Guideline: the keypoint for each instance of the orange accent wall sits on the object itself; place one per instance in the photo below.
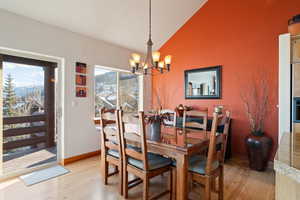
(242, 36)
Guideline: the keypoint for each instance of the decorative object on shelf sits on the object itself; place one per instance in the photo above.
(294, 25)
(152, 61)
(180, 108)
(81, 79)
(218, 109)
(256, 100)
(203, 83)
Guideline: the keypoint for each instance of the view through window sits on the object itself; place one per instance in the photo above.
(115, 88)
(23, 95)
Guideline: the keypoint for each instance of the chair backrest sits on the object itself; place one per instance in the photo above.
(171, 114)
(127, 122)
(110, 138)
(226, 124)
(197, 114)
(213, 154)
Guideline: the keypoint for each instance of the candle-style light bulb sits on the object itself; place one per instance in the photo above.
(168, 61)
(156, 56)
(136, 57)
(132, 65)
(161, 65)
(145, 69)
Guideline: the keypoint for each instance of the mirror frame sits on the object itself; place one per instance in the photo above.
(218, 70)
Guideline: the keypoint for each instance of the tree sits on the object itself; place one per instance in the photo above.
(9, 101)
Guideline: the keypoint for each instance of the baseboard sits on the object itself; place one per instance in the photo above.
(81, 157)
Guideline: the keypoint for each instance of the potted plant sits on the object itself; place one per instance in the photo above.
(256, 100)
(155, 119)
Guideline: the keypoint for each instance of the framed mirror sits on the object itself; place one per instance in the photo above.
(203, 83)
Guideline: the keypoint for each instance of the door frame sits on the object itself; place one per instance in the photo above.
(59, 106)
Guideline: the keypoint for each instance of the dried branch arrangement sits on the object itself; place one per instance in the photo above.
(255, 99)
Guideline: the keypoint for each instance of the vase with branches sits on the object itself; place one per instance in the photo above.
(256, 100)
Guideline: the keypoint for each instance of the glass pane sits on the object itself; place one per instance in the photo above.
(105, 89)
(23, 89)
(129, 92)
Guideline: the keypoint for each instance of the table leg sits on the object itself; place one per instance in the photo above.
(181, 177)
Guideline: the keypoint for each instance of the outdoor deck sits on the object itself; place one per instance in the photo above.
(28, 159)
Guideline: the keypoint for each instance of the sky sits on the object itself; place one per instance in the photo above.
(24, 75)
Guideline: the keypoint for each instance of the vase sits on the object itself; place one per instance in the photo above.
(155, 131)
(294, 25)
(258, 148)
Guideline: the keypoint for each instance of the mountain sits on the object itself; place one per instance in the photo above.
(107, 78)
(22, 91)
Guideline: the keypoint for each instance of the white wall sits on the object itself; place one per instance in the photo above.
(22, 33)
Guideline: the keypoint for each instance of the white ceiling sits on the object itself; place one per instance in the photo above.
(122, 22)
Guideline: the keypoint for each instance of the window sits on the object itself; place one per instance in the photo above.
(114, 88)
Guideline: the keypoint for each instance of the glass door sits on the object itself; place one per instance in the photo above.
(28, 132)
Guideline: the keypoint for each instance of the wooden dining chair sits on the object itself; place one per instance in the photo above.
(205, 169)
(171, 114)
(139, 162)
(110, 146)
(226, 123)
(197, 116)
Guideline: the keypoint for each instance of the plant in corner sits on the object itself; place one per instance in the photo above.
(256, 102)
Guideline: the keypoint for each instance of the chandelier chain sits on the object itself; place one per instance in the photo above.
(150, 10)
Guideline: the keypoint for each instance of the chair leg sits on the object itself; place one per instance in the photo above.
(174, 182)
(207, 193)
(171, 184)
(145, 188)
(214, 185)
(105, 172)
(190, 182)
(125, 183)
(121, 179)
(221, 184)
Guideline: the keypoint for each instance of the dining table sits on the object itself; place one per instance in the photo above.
(178, 144)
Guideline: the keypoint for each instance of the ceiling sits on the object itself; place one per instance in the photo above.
(122, 22)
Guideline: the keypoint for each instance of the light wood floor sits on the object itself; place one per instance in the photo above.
(28, 159)
(85, 183)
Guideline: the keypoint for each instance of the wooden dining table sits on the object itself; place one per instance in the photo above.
(179, 144)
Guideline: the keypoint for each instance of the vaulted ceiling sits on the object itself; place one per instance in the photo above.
(122, 22)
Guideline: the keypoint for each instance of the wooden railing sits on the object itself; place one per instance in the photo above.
(26, 131)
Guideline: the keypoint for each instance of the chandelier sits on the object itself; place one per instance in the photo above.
(152, 61)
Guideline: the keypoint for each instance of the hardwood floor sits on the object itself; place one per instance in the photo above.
(84, 183)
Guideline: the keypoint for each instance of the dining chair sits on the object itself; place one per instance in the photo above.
(205, 169)
(110, 146)
(171, 114)
(138, 161)
(198, 119)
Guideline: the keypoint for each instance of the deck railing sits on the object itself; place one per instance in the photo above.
(32, 129)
